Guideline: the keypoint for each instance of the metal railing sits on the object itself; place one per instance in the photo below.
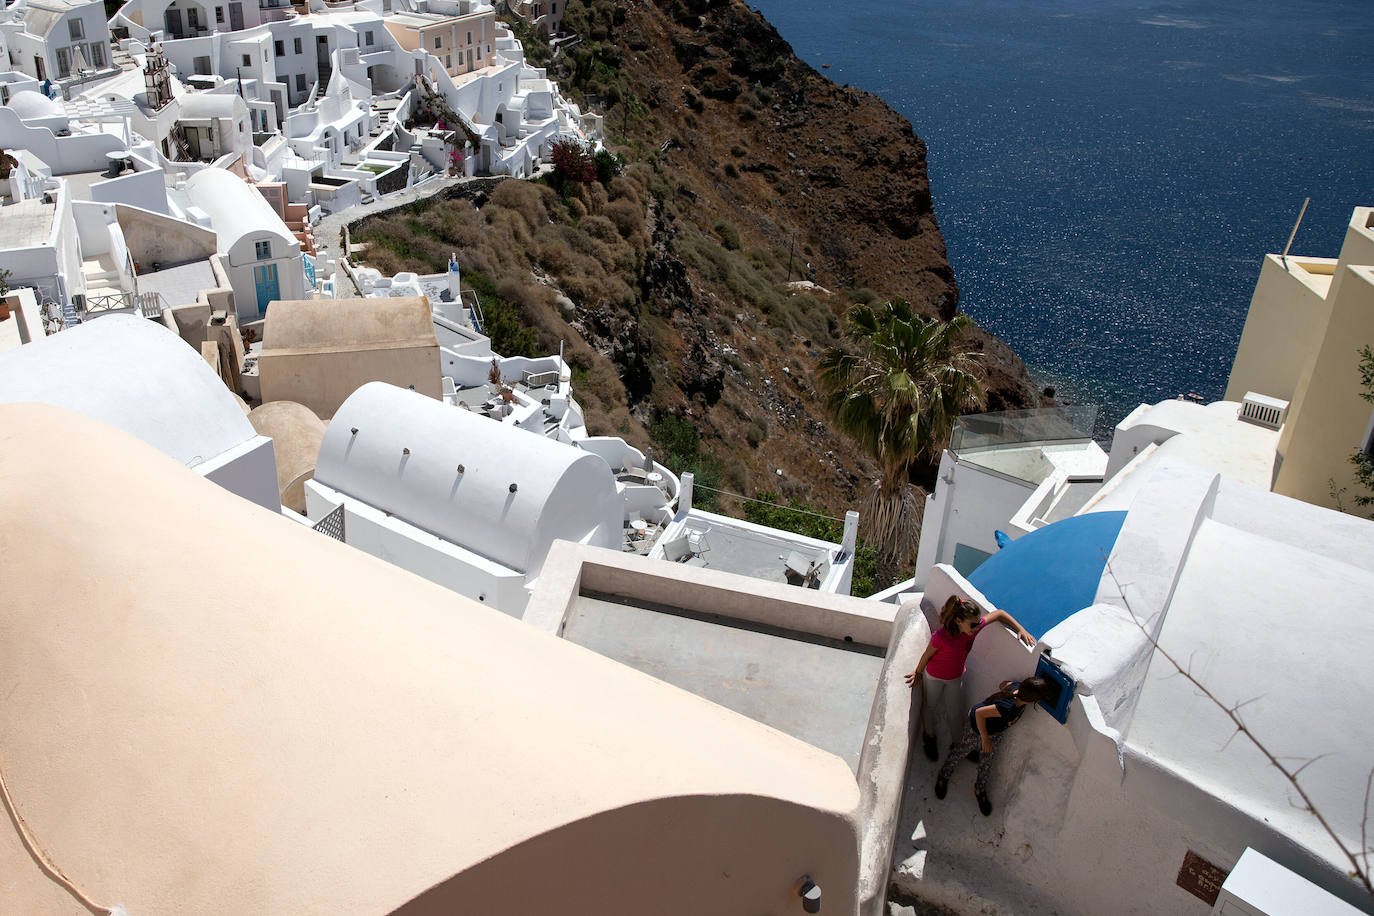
(332, 525)
(109, 302)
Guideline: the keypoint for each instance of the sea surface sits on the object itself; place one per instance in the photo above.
(1108, 175)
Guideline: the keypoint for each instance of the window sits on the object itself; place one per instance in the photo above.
(448, 61)
(97, 54)
(193, 18)
(263, 250)
(219, 14)
(77, 29)
(279, 47)
(469, 38)
(202, 66)
(367, 39)
(438, 41)
(64, 62)
(297, 45)
(300, 82)
(247, 61)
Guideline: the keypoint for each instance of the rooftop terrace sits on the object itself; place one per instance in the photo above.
(813, 688)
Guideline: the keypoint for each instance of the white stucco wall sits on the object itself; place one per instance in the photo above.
(402, 544)
(1234, 581)
(969, 504)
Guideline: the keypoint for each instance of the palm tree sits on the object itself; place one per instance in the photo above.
(898, 393)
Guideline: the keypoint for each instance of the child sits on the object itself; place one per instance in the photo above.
(943, 665)
(986, 721)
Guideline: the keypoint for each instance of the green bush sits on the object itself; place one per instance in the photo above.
(729, 235)
(794, 517)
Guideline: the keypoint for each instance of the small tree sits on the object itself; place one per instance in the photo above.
(897, 390)
(607, 165)
(1360, 458)
(572, 162)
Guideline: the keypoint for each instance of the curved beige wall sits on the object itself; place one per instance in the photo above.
(322, 733)
(296, 434)
(696, 855)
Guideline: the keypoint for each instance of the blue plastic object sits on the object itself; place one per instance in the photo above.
(1043, 577)
(1049, 669)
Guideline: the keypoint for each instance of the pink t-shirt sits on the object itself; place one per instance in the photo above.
(951, 653)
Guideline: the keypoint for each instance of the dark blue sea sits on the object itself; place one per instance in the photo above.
(1107, 174)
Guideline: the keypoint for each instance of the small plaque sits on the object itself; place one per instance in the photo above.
(1200, 878)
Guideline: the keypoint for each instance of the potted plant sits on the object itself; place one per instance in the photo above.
(7, 166)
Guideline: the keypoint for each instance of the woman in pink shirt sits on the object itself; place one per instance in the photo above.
(943, 665)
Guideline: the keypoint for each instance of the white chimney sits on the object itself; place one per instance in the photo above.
(453, 278)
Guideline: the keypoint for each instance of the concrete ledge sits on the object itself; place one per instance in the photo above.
(886, 756)
(571, 568)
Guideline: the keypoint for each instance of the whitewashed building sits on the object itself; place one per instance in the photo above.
(455, 498)
(56, 39)
(261, 255)
(140, 377)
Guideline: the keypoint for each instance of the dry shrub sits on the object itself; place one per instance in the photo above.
(555, 256)
(523, 198)
(622, 188)
(619, 292)
(508, 226)
(581, 288)
(577, 208)
(530, 298)
(383, 259)
(641, 173)
(627, 216)
(600, 228)
(593, 195)
(604, 384)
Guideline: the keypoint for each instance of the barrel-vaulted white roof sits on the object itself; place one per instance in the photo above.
(235, 208)
(451, 472)
(133, 374)
(344, 737)
(213, 105)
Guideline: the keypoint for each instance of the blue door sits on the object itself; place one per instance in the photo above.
(265, 279)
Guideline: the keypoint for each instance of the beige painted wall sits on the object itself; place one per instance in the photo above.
(406, 37)
(1283, 329)
(1328, 419)
(296, 434)
(345, 737)
(324, 380)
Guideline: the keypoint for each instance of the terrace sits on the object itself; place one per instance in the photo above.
(824, 668)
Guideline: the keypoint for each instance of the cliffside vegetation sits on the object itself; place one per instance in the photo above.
(674, 284)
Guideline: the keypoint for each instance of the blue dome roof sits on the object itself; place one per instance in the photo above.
(1043, 577)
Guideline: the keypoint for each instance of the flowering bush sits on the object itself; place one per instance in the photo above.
(572, 161)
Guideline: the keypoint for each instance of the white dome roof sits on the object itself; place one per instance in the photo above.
(135, 375)
(561, 492)
(35, 106)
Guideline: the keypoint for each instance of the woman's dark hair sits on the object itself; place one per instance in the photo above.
(955, 610)
(1032, 690)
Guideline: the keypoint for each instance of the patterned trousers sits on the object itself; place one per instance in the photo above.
(969, 742)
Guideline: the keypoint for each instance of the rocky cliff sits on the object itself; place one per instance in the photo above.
(682, 288)
(770, 157)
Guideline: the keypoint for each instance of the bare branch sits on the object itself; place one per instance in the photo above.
(1309, 763)
(1360, 869)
